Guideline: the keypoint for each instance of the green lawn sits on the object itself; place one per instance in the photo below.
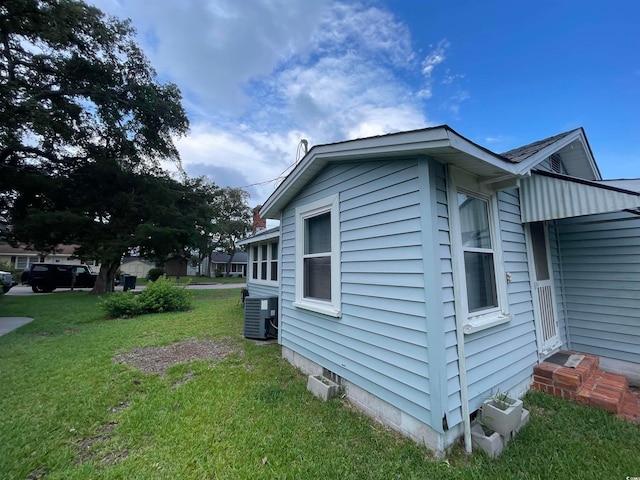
(196, 279)
(68, 411)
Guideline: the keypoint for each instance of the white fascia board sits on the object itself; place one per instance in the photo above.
(318, 157)
(524, 168)
(463, 145)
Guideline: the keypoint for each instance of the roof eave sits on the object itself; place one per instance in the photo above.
(419, 142)
(260, 237)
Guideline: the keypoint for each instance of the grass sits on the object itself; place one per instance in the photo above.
(67, 411)
(196, 279)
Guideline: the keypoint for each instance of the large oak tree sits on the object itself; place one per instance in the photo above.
(82, 115)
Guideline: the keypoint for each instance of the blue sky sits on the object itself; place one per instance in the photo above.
(259, 75)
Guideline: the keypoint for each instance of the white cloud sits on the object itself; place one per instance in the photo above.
(259, 75)
(212, 48)
(449, 77)
(437, 56)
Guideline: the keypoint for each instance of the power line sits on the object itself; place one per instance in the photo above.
(266, 182)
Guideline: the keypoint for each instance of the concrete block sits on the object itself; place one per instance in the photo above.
(322, 387)
(492, 444)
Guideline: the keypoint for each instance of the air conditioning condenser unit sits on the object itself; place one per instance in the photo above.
(261, 317)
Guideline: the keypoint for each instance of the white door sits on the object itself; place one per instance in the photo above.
(544, 298)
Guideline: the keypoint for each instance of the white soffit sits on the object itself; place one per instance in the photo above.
(549, 197)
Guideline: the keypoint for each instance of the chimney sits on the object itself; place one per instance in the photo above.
(259, 223)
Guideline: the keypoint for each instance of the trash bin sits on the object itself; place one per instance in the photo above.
(128, 281)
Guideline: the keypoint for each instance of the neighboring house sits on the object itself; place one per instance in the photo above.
(238, 267)
(176, 267)
(137, 266)
(423, 272)
(20, 258)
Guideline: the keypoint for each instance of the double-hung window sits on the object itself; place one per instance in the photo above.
(481, 272)
(479, 259)
(318, 257)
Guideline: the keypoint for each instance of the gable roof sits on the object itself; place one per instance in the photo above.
(67, 250)
(441, 143)
(447, 146)
(572, 147)
(519, 154)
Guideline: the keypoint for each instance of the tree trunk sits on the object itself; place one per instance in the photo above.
(229, 262)
(106, 277)
(208, 266)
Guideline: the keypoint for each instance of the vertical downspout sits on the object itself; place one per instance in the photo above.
(455, 261)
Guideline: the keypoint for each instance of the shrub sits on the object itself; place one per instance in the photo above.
(160, 296)
(164, 296)
(155, 273)
(121, 305)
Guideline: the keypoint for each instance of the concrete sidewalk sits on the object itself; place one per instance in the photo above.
(8, 324)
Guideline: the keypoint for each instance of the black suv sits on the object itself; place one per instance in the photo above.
(46, 277)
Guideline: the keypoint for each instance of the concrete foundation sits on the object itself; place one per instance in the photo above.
(628, 369)
(382, 411)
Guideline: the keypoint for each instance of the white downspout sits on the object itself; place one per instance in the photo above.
(454, 230)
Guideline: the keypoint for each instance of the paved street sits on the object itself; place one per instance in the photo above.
(22, 290)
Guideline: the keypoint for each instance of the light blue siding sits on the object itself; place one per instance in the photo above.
(600, 262)
(502, 357)
(381, 343)
(454, 410)
(262, 290)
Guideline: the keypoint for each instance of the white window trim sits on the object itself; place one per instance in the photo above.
(331, 308)
(259, 260)
(461, 182)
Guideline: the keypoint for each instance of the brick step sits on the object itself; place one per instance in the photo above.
(604, 390)
(562, 381)
(588, 385)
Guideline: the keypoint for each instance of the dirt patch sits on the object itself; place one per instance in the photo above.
(93, 448)
(159, 359)
(120, 407)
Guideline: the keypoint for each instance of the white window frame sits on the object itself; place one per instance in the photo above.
(259, 262)
(461, 182)
(331, 307)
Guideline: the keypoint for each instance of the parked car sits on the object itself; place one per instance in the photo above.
(7, 281)
(46, 277)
